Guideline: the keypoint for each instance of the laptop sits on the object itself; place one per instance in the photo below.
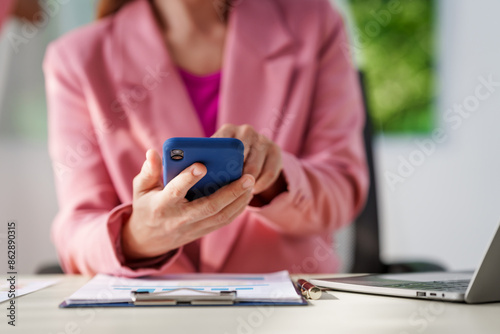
(481, 286)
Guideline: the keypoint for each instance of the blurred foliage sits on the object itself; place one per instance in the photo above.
(398, 52)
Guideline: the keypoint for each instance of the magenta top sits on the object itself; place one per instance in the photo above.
(204, 94)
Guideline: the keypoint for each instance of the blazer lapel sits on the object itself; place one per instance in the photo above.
(258, 66)
(257, 70)
(151, 93)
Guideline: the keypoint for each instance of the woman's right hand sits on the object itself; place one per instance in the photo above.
(163, 220)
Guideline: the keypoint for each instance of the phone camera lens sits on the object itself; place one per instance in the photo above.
(176, 154)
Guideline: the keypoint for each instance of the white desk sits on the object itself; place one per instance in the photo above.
(338, 313)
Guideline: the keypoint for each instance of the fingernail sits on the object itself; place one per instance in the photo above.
(148, 165)
(248, 183)
(197, 172)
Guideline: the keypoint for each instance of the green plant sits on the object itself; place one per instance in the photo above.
(398, 61)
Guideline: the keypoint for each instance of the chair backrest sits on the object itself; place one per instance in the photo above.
(366, 230)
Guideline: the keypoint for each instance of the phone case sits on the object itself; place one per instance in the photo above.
(223, 158)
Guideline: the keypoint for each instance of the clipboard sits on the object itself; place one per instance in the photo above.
(180, 290)
(184, 296)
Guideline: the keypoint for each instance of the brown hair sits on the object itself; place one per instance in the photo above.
(108, 7)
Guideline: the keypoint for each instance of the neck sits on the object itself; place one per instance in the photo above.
(191, 16)
(194, 33)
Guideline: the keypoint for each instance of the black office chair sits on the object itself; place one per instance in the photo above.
(49, 268)
(366, 227)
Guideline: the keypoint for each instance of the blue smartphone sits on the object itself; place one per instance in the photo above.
(223, 158)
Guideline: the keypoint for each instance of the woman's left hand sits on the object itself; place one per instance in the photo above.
(262, 159)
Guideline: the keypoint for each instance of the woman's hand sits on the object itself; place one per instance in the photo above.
(163, 220)
(262, 160)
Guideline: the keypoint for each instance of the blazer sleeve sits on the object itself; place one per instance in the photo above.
(87, 228)
(328, 180)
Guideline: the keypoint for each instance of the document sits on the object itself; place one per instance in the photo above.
(274, 288)
(23, 287)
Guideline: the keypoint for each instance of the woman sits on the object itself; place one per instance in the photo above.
(271, 73)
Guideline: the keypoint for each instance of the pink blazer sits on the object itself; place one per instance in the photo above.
(113, 92)
(5, 10)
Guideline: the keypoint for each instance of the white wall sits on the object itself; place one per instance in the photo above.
(448, 209)
(27, 196)
(27, 192)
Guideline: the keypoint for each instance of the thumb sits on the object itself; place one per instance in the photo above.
(180, 185)
(150, 176)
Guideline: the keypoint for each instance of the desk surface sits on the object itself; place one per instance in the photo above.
(337, 312)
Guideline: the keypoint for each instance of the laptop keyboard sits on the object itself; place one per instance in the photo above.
(456, 286)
